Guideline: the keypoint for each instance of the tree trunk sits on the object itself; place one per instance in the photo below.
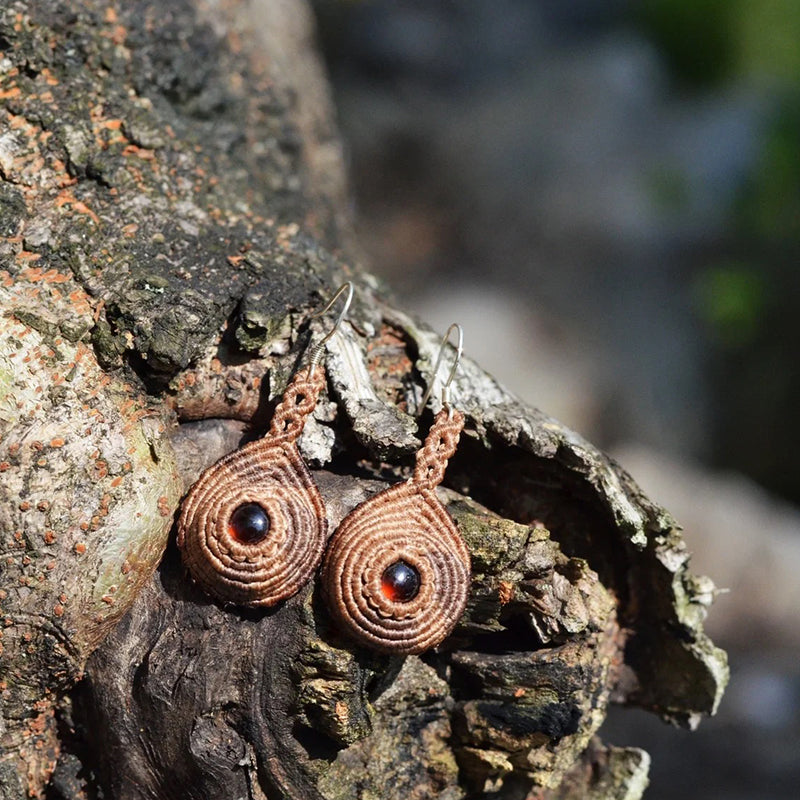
(172, 210)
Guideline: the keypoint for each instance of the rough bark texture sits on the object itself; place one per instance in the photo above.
(172, 208)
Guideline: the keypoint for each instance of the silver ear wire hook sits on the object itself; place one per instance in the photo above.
(319, 347)
(452, 373)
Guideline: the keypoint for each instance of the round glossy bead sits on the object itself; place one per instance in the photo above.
(400, 582)
(249, 524)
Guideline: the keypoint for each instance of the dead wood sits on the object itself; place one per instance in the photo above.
(172, 207)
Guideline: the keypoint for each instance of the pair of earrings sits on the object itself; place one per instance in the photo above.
(396, 572)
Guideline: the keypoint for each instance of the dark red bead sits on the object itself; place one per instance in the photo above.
(249, 524)
(400, 582)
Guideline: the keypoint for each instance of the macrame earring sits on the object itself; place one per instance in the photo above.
(396, 573)
(252, 528)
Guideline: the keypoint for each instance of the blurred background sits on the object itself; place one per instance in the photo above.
(606, 194)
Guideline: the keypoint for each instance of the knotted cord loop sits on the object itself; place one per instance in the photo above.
(297, 403)
(439, 446)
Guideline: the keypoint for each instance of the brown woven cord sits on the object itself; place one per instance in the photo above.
(439, 446)
(297, 403)
(270, 473)
(406, 522)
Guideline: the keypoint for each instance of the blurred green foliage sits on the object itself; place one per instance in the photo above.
(769, 204)
(668, 189)
(710, 41)
(746, 284)
(767, 38)
(730, 298)
(696, 37)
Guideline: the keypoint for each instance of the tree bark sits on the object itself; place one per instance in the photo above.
(172, 209)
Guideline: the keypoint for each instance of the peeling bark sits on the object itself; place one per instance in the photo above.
(172, 208)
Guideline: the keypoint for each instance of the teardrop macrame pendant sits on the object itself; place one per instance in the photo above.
(253, 527)
(396, 573)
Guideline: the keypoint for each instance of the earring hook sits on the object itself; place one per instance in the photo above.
(452, 373)
(317, 349)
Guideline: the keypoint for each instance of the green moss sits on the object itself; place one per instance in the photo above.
(495, 543)
(256, 324)
(6, 379)
(12, 210)
(108, 346)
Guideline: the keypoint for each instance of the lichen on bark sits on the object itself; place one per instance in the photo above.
(172, 208)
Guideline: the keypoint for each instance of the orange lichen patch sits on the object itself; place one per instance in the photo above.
(49, 537)
(285, 234)
(505, 592)
(81, 304)
(519, 693)
(80, 548)
(116, 481)
(130, 230)
(107, 598)
(4, 465)
(49, 78)
(52, 276)
(388, 356)
(82, 208)
(342, 711)
(139, 152)
(24, 505)
(67, 198)
(57, 442)
(119, 33)
(26, 255)
(16, 122)
(8, 94)
(163, 506)
(234, 261)
(58, 610)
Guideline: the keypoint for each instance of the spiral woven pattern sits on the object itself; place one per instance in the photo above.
(271, 473)
(405, 522)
